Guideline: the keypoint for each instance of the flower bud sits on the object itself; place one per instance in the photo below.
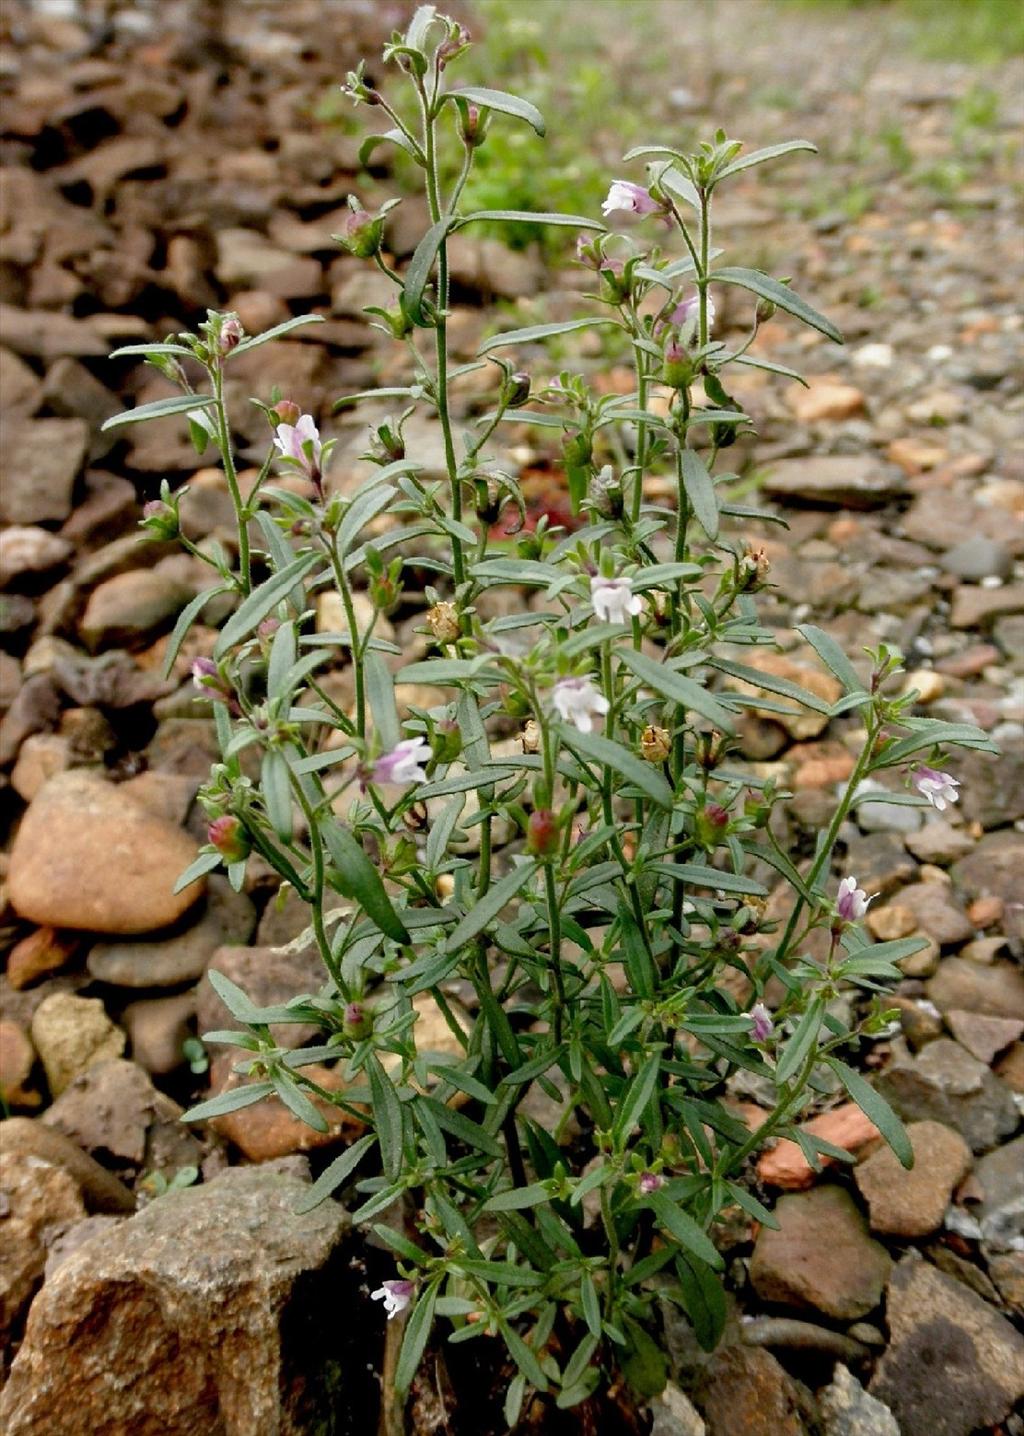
(356, 1022)
(443, 622)
(516, 389)
(387, 443)
(542, 836)
(361, 233)
(287, 412)
(676, 370)
(488, 500)
(765, 311)
(268, 628)
(650, 1182)
(230, 839)
(231, 334)
(712, 824)
(160, 519)
(655, 744)
(472, 126)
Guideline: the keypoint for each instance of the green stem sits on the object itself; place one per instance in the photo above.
(702, 274)
(825, 853)
(353, 632)
(554, 951)
(231, 474)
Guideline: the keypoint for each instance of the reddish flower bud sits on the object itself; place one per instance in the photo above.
(287, 411)
(230, 839)
(356, 1022)
(542, 836)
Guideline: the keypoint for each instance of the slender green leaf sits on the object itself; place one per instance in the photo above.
(159, 409)
(276, 333)
(685, 1230)
(516, 1198)
(355, 877)
(500, 100)
(262, 602)
(801, 1043)
(678, 689)
(421, 265)
(231, 1101)
(537, 332)
(528, 216)
(636, 1099)
(876, 1109)
(414, 1342)
(765, 287)
(644, 776)
(833, 657)
(700, 491)
(363, 508)
(760, 157)
(483, 912)
(204, 863)
(387, 1118)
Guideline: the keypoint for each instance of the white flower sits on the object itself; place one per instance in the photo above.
(404, 764)
(613, 599)
(626, 198)
(852, 901)
(577, 701)
(396, 1296)
(939, 788)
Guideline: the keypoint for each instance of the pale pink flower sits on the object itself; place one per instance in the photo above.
(300, 442)
(852, 901)
(404, 764)
(396, 1296)
(939, 788)
(688, 312)
(613, 599)
(578, 701)
(761, 1025)
(626, 198)
(650, 1182)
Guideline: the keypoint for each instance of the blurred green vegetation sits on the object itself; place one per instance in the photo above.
(973, 31)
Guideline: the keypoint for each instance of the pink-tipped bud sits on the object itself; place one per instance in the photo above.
(542, 836)
(287, 411)
(356, 1021)
(361, 233)
(676, 370)
(231, 334)
(268, 628)
(650, 1182)
(206, 674)
(160, 519)
(230, 839)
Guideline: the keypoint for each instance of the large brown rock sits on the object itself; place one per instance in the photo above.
(41, 460)
(169, 960)
(40, 1202)
(944, 1083)
(953, 1363)
(70, 1034)
(101, 1190)
(912, 1204)
(212, 1312)
(744, 1391)
(821, 1258)
(86, 856)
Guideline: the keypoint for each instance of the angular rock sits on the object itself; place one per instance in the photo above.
(40, 1200)
(845, 1126)
(212, 1309)
(1000, 1175)
(167, 961)
(953, 1363)
(128, 609)
(101, 1190)
(913, 1203)
(984, 1037)
(42, 952)
(936, 912)
(973, 607)
(85, 857)
(112, 1111)
(17, 1058)
(851, 481)
(994, 868)
(978, 557)
(848, 1410)
(939, 842)
(70, 1034)
(943, 1083)
(744, 1391)
(41, 460)
(880, 861)
(675, 1414)
(996, 990)
(26, 549)
(821, 1258)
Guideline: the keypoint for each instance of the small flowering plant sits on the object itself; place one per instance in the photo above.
(562, 852)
